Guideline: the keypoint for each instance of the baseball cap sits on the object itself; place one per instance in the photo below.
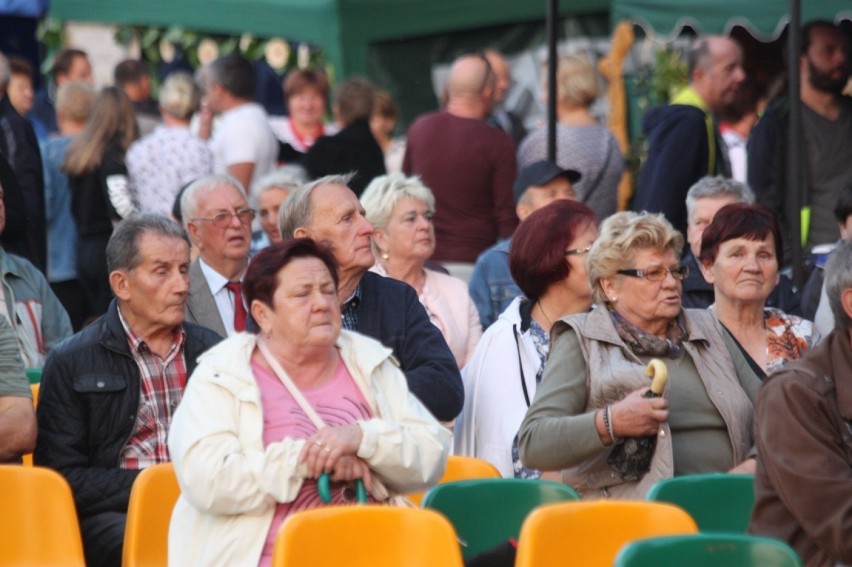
(540, 173)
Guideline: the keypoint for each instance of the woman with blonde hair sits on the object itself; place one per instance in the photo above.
(582, 142)
(100, 193)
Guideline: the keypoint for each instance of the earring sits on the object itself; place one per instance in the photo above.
(385, 256)
(613, 299)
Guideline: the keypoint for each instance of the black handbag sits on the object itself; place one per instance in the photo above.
(631, 457)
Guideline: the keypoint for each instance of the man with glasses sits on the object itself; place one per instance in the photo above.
(217, 217)
(468, 165)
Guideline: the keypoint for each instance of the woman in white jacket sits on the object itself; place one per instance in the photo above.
(547, 263)
(265, 415)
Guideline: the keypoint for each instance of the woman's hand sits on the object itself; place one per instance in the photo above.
(350, 468)
(638, 416)
(748, 466)
(324, 448)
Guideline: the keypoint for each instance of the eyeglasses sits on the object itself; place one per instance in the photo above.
(578, 250)
(657, 274)
(222, 220)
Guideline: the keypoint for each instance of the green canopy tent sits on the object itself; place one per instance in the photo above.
(765, 20)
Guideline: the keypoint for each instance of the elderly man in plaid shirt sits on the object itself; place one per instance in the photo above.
(108, 392)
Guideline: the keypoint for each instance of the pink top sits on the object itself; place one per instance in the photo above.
(338, 402)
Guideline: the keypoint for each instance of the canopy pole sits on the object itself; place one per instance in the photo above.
(552, 62)
(794, 144)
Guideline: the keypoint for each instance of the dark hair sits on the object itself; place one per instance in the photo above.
(64, 60)
(807, 32)
(843, 208)
(129, 71)
(20, 66)
(537, 256)
(122, 251)
(299, 79)
(740, 220)
(354, 100)
(235, 73)
(261, 279)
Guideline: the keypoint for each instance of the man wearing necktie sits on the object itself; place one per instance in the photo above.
(218, 219)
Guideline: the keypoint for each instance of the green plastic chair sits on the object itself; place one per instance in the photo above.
(708, 550)
(718, 502)
(486, 512)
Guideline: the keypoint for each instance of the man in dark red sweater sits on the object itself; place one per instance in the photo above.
(469, 165)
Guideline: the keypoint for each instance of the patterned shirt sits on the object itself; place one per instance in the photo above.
(541, 341)
(788, 338)
(160, 164)
(161, 385)
(349, 313)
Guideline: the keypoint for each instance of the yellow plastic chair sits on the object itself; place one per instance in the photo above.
(591, 533)
(34, 387)
(38, 521)
(461, 468)
(366, 536)
(152, 499)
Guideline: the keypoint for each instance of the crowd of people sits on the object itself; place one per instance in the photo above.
(267, 300)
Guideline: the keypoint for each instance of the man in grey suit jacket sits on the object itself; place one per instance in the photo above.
(217, 217)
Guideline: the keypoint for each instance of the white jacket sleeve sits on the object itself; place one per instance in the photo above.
(215, 442)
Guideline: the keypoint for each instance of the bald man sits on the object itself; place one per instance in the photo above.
(469, 165)
(684, 143)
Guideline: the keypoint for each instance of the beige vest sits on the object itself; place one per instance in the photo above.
(614, 371)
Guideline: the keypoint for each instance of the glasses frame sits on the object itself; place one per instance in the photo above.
(572, 251)
(223, 219)
(680, 273)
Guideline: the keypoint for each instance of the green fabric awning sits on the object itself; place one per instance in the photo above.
(764, 19)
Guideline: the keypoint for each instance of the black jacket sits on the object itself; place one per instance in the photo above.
(87, 408)
(391, 313)
(352, 149)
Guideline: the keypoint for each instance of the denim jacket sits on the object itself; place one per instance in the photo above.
(491, 285)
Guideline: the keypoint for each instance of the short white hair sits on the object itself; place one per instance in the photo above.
(383, 193)
(711, 187)
(191, 196)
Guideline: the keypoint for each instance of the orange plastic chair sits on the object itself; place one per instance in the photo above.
(146, 536)
(366, 536)
(460, 468)
(591, 533)
(38, 521)
(34, 387)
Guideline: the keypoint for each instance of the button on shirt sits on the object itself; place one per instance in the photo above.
(161, 385)
(349, 313)
(221, 295)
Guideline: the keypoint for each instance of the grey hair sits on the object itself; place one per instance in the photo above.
(715, 187)
(191, 196)
(296, 211)
(289, 177)
(838, 278)
(621, 236)
(180, 96)
(5, 73)
(122, 251)
(383, 194)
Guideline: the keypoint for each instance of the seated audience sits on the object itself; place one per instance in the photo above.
(582, 142)
(592, 391)
(269, 193)
(401, 209)
(328, 211)
(492, 287)
(17, 418)
(548, 262)
(353, 148)
(741, 254)
(170, 156)
(803, 485)
(246, 447)
(108, 393)
(217, 217)
(35, 314)
(73, 106)
(703, 201)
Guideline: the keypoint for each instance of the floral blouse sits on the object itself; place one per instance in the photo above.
(788, 338)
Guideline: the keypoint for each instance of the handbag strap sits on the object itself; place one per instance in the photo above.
(288, 383)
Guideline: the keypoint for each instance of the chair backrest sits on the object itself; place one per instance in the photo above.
(708, 550)
(488, 511)
(38, 521)
(366, 536)
(718, 502)
(34, 388)
(152, 499)
(591, 533)
(461, 468)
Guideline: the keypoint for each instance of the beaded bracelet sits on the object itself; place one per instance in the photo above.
(607, 418)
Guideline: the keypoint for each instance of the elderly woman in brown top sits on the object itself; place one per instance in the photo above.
(591, 396)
